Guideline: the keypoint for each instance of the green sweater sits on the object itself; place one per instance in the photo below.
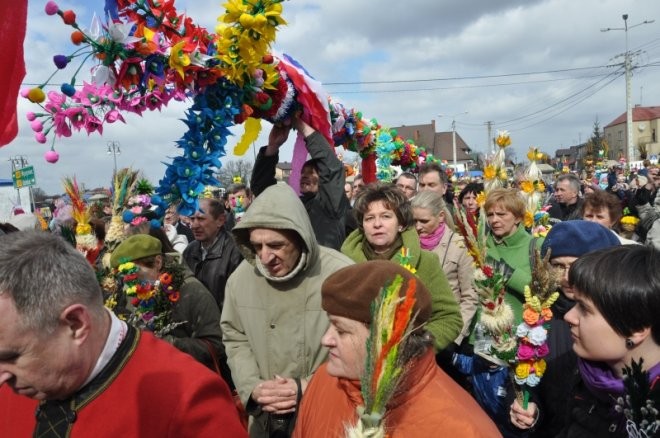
(514, 251)
(445, 323)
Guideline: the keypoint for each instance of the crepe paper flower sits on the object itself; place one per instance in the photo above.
(120, 32)
(178, 58)
(52, 156)
(489, 172)
(51, 8)
(165, 278)
(77, 37)
(61, 61)
(37, 126)
(527, 186)
(40, 137)
(503, 140)
(152, 302)
(68, 89)
(69, 17)
(36, 95)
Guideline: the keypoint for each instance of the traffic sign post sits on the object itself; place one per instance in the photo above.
(24, 177)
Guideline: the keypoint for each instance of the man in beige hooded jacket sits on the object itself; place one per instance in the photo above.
(272, 320)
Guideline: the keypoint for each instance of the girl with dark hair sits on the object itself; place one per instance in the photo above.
(614, 325)
(468, 197)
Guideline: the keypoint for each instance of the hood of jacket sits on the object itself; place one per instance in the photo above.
(278, 207)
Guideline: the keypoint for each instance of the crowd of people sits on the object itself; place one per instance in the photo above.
(255, 315)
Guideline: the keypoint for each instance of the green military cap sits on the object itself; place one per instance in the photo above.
(134, 248)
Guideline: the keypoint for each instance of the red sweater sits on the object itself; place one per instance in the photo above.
(160, 392)
(432, 404)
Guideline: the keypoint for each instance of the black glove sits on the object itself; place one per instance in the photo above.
(642, 196)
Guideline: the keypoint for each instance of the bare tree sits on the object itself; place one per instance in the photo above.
(233, 169)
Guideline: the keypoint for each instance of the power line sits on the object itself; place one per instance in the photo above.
(458, 87)
(458, 78)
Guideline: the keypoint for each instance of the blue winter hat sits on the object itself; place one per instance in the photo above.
(576, 238)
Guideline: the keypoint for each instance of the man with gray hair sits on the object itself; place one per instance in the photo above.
(82, 370)
(567, 203)
(272, 321)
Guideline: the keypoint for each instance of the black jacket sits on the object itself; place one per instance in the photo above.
(222, 259)
(326, 208)
(590, 417)
(565, 212)
(556, 385)
(185, 230)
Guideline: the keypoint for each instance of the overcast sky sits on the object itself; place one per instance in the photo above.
(541, 69)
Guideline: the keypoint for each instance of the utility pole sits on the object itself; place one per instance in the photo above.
(113, 148)
(628, 67)
(453, 135)
(489, 143)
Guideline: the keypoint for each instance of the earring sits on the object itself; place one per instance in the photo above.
(629, 343)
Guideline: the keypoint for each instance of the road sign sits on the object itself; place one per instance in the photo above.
(24, 177)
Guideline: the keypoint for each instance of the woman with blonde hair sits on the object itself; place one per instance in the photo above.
(435, 228)
(507, 243)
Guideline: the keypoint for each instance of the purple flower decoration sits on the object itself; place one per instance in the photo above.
(61, 61)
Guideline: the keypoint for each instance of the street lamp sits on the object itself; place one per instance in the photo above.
(628, 67)
(453, 133)
(113, 148)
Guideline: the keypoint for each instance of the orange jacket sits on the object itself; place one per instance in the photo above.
(431, 404)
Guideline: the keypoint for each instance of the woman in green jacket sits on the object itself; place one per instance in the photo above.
(385, 232)
(509, 242)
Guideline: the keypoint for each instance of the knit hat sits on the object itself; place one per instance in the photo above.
(134, 248)
(350, 291)
(576, 238)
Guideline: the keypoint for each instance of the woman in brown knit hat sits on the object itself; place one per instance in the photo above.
(423, 401)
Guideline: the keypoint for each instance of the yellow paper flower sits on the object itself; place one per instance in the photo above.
(126, 266)
(632, 220)
(529, 219)
(489, 172)
(503, 140)
(522, 370)
(36, 95)
(503, 175)
(540, 186)
(526, 186)
(481, 199)
(539, 367)
(531, 154)
(178, 58)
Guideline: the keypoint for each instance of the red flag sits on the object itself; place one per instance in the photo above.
(13, 19)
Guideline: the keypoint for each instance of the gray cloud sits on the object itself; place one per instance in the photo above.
(370, 40)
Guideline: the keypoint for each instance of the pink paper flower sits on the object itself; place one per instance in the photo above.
(542, 350)
(52, 156)
(37, 126)
(51, 8)
(525, 352)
